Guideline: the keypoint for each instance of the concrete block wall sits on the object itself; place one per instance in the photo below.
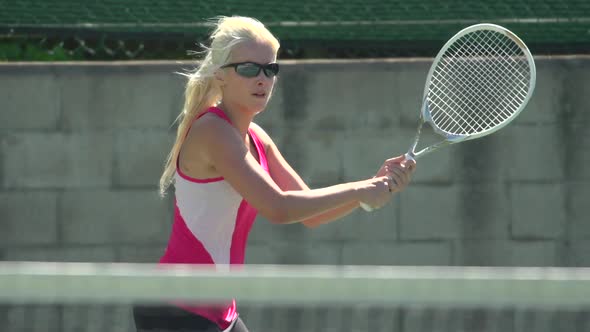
(82, 147)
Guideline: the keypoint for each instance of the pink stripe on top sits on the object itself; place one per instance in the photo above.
(211, 226)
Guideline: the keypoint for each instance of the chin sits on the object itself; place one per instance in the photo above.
(252, 109)
(257, 108)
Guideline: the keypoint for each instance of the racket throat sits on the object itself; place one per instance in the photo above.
(413, 154)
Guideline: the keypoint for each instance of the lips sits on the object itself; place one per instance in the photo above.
(259, 94)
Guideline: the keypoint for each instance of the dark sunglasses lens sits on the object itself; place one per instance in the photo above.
(248, 70)
(271, 69)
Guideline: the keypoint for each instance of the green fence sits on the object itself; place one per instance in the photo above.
(354, 28)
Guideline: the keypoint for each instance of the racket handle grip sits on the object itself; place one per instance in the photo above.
(366, 207)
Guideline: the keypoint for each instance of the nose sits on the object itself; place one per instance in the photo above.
(261, 79)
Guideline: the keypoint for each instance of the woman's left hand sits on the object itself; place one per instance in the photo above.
(400, 168)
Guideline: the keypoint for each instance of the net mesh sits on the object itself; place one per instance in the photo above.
(479, 83)
(100, 297)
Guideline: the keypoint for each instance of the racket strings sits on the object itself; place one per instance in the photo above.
(462, 52)
(487, 100)
(480, 81)
(458, 103)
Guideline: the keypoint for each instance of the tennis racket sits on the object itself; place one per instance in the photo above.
(480, 80)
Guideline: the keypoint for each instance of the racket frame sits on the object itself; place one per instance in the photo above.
(450, 138)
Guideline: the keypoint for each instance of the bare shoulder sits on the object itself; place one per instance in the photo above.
(208, 133)
(209, 129)
(262, 135)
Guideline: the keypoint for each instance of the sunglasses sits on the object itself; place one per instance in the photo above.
(252, 69)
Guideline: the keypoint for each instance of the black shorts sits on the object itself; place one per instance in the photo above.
(173, 319)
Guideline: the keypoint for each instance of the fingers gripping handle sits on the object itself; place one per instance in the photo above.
(366, 206)
(408, 156)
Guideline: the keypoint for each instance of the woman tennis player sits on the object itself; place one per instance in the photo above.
(226, 169)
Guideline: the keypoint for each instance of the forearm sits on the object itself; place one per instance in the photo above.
(301, 205)
(331, 215)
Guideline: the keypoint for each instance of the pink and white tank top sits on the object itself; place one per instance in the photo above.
(211, 226)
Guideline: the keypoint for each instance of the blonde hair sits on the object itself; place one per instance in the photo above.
(201, 92)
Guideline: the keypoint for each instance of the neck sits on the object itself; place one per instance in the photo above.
(240, 118)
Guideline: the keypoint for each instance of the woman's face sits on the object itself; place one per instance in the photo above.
(249, 93)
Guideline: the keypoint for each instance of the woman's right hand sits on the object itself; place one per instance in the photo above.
(376, 192)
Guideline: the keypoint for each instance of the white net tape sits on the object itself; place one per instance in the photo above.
(98, 297)
(71, 282)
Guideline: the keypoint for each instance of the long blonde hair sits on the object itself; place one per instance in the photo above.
(201, 91)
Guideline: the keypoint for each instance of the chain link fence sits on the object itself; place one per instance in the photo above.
(132, 29)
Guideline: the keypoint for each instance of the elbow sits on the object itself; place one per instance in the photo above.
(277, 216)
(278, 220)
(310, 224)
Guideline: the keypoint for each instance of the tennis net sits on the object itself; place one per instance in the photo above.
(36, 296)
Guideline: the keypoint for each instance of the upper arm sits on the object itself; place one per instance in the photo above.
(229, 156)
(280, 170)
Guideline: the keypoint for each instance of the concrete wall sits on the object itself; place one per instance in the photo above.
(82, 148)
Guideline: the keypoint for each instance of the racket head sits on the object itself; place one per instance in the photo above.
(480, 80)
